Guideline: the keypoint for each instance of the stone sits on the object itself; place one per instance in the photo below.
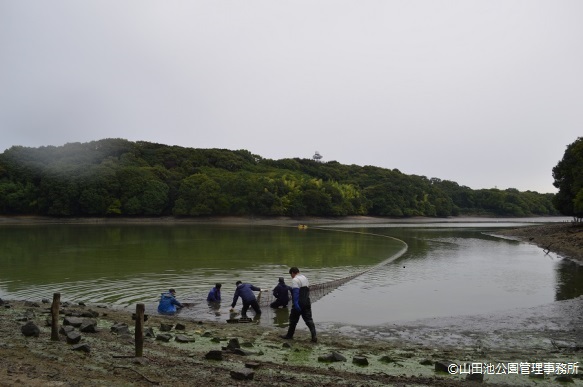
(243, 374)
(242, 352)
(388, 359)
(73, 337)
(90, 314)
(74, 321)
(442, 365)
(30, 329)
(184, 339)
(45, 301)
(81, 347)
(426, 362)
(120, 329)
(286, 345)
(166, 327)
(180, 327)
(149, 332)
(247, 344)
(207, 334)
(166, 337)
(214, 355)
(253, 365)
(332, 357)
(216, 340)
(31, 304)
(475, 377)
(81, 303)
(88, 326)
(66, 329)
(360, 360)
(233, 344)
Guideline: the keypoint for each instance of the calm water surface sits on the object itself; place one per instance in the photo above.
(448, 269)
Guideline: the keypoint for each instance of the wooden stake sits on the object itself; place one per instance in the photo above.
(55, 316)
(140, 330)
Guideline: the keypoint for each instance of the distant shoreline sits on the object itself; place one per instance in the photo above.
(234, 220)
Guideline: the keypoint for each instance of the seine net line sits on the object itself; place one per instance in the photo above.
(317, 291)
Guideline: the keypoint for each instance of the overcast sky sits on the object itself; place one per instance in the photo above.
(484, 93)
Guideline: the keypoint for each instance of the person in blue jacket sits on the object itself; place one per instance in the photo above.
(245, 291)
(281, 294)
(168, 303)
(215, 294)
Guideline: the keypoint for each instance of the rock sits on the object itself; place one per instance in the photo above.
(81, 347)
(243, 374)
(73, 337)
(1, 302)
(66, 329)
(180, 327)
(233, 344)
(332, 357)
(31, 304)
(216, 340)
(74, 321)
(81, 303)
(30, 329)
(286, 345)
(475, 377)
(88, 326)
(242, 352)
(247, 344)
(214, 355)
(90, 314)
(166, 327)
(149, 332)
(166, 337)
(426, 362)
(207, 334)
(120, 329)
(27, 316)
(360, 360)
(253, 365)
(442, 365)
(184, 339)
(45, 301)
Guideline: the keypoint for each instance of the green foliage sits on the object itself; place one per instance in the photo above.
(568, 175)
(116, 177)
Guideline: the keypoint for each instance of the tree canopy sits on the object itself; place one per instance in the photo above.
(116, 177)
(568, 175)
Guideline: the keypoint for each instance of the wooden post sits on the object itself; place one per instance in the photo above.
(139, 330)
(55, 307)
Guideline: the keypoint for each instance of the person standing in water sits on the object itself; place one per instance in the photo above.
(301, 305)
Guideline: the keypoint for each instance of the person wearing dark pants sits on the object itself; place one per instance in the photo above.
(281, 294)
(301, 305)
(245, 291)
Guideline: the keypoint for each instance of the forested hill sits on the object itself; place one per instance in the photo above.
(116, 177)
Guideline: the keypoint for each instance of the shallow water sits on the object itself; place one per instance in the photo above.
(448, 268)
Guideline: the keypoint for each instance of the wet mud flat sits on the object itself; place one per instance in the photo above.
(181, 352)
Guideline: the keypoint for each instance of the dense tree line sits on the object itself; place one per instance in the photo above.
(116, 177)
(568, 175)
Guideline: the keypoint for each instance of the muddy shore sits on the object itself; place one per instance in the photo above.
(397, 354)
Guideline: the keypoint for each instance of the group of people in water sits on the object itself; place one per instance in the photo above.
(300, 297)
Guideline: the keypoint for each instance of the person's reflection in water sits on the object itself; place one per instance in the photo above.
(281, 317)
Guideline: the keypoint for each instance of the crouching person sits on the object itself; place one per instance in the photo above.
(168, 303)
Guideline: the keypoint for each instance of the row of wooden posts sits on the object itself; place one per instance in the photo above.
(139, 335)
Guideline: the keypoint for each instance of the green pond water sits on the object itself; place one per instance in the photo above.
(447, 269)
